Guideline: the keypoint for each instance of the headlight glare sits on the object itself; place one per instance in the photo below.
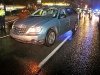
(35, 29)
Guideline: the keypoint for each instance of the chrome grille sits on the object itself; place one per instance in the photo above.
(20, 31)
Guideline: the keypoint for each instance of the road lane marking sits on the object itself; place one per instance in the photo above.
(4, 36)
(52, 53)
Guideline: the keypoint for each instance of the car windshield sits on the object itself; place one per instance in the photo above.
(46, 12)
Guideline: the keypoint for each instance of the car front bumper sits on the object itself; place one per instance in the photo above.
(27, 39)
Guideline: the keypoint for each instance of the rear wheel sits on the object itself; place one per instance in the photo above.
(50, 38)
(75, 28)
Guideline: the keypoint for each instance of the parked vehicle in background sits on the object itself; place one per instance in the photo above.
(15, 12)
(24, 13)
(45, 24)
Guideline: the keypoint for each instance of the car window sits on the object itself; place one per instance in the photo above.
(69, 11)
(46, 12)
(63, 11)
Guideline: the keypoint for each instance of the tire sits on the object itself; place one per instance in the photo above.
(75, 28)
(50, 38)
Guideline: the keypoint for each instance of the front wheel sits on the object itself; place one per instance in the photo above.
(50, 38)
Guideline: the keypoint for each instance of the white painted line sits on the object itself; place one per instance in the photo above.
(4, 36)
(52, 53)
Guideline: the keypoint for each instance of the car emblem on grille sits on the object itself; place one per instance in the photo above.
(21, 25)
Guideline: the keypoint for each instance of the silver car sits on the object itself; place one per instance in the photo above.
(45, 24)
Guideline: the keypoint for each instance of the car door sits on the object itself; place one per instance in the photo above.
(64, 21)
(70, 15)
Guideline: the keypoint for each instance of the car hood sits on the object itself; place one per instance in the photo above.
(32, 21)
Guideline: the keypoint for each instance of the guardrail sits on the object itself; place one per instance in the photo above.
(11, 20)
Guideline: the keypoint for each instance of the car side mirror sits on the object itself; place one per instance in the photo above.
(62, 16)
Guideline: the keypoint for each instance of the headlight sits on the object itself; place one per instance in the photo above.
(35, 29)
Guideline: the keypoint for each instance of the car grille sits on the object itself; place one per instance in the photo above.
(20, 31)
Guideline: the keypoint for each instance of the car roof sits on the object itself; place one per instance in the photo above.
(56, 6)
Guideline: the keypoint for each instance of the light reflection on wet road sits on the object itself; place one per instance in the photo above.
(20, 58)
(78, 56)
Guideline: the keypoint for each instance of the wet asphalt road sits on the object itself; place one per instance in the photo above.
(78, 56)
